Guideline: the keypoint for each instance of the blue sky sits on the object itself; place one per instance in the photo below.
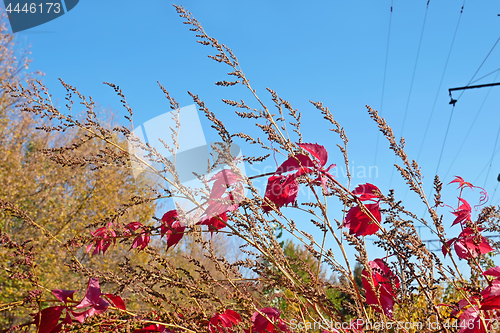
(328, 51)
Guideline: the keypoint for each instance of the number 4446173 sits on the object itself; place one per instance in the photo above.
(35, 8)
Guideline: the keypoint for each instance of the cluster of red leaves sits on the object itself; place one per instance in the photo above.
(223, 322)
(215, 216)
(154, 328)
(93, 303)
(282, 190)
(103, 238)
(172, 227)
(358, 222)
(469, 243)
(142, 240)
(475, 307)
(261, 324)
(382, 293)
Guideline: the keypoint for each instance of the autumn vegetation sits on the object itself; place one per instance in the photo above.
(87, 247)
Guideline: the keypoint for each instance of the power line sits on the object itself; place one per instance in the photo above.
(482, 77)
(484, 168)
(495, 191)
(442, 150)
(473, 76)
(491, 160)
(412, 79)
(440, 82)
(453, 101)
(415, 68)
(383, 82)
(444, 141)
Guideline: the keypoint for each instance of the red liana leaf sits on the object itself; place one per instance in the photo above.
(281, 190)
(47, 319)
(366, 192)
(495, 271)
(116, 300)
(383, 279)
(463, 213)
(461, 182)
(63, 295)
(261, 324)
(92, 295)
(172, 227)
(317, 151)
(295, 163)
(359, 223)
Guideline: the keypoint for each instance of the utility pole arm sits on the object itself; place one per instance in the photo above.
(453, 101)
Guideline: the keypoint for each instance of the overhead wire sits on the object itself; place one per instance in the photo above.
(484, 168)
(383, 81)
(453, 108)
(470, 81)
(412, 79)
(441, 82)
(438, 92)
(473, 76)
(482, 77)
(491, 159)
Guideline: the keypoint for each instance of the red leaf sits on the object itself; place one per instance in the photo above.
(495, 271)
(133, 226)
(467, 240)
(63, 295)
(359, 223)
(300, 161)
(382, 277)
(491, 296)
(170, 217)
(103, 238)
(281, 190)
(46, 320)
(175, 234)
(445, 249)
(219, 322)
(317, 151)
(233, 316)
(470, 321)
(153, 328)
(92, 295)
(461, 182)
(172, 227)
(141, 241)
(215, 222)
(96, 309)
(463, 213)
(116, 300)
(223, 179)
(366, 192)
(262, 324)
(91, 299)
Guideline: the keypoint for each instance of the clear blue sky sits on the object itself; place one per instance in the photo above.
(329, 51)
